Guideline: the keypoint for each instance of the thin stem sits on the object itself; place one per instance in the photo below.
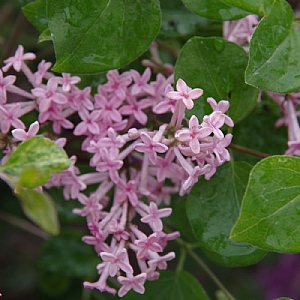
(248, 151)
(199, 261)
(210, 274)
(23, 224)
(181, 259)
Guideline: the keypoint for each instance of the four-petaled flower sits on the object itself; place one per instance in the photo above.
(17, 60)
(193, 134)
(116, 261)
(151, 147)
(22, 135)
(155, 215)
(185, 94)
(132, 282)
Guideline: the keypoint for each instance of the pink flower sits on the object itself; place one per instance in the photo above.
(22, 135)
(10, 117)
(89, 124)
(41, 73)
(141, 82)
(117, 261)
(128, 190)
(109, 163)
(132, 282)
(166, 167)
(4, 83)
(185, 94)
(49, 95)
(150, 146)
(160, 261)
(17, 60)
(193, 134)
(109, 108)
(167, 104)
(215, 121)
(222, 106)
(194, 175)
(155, 215)
(81, 99)
(135, 108)
(149, 243)
(67, 81)
(117, 83)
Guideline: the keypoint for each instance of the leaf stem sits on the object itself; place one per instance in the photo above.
(181, 259)
(248, 151)
(200, 262)
(23, 224)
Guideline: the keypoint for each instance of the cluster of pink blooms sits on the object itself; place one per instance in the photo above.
(139, 160)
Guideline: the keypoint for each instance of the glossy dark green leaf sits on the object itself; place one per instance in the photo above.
(40, 209)
(45, 36)
(95, 36)
(68, 255)
(270, 212)
(33, 161)
(35, 12)
(172, 286)
(259, 7)
(215, 9)
(181, 221)
(181, 23)
(216, 66)
(213, 207)
(274, 63)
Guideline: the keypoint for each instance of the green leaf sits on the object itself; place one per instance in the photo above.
(213, 208)
(274, 61)
(68, 255)
(215, 9)
(45, 36)
(259, 7)
(270, 212)
(35, 12)
(216, 66)
(172, 286)
(34, 160)
(180, 219)
(96, 36)
(40, 209)
(181, 23)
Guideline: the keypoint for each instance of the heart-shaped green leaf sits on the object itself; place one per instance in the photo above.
(270, 212)
(96, 36)
(216, 66)
(215, 9)
(274, 63)
(213, 207)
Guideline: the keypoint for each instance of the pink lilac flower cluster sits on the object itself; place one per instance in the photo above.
(138, 159)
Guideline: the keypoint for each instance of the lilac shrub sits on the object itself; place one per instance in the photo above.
(139, 159)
